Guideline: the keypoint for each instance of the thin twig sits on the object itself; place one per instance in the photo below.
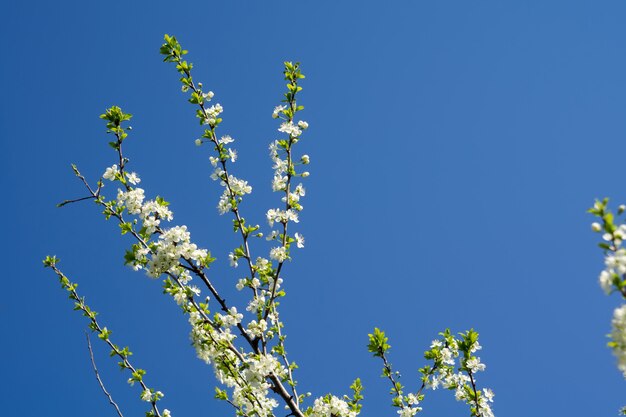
(95, 370)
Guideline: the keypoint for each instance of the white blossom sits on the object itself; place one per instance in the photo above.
(279, 253)
(133, 178)
(299, 240)
(277, 111)
(233, 260)
(146, 395)
(226, 139)
(290, 128)
(110, 173)
(618, 337)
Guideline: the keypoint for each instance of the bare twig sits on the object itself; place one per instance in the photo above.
(95, 370)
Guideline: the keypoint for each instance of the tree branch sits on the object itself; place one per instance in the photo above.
(95, 370)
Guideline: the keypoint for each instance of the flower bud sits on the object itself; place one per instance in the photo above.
(198, 142)
(596, 227)
(305, 159)
(305, 174)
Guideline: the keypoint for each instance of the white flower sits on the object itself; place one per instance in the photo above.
(595, 226)
(224, 206)
(300, 191)
(299, 240)
(110, 173)
(280, 166)
(279, 253)
(303, 125)
(166, 413)
(226, 139)
(411, 399)
(618, 337)
(488, 394)
(132, 199)
(606, 281)
(273, 149)
(272, 235)
(407, 411)
(475, 365)
(279, 183)
(271, 216)
(215, 110)
(305, 159)
(257, 329)
(233, 260)
(232, 154)
(198, 142)
(180, 296)
(291, 216)
(233, 318)
(133, 178)
(290, 128)
(277, 110)
(146, 395)
(239, 187)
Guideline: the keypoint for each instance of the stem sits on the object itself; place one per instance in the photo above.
(96, 327)
(475, 393)
(95, 369)
(394, 385)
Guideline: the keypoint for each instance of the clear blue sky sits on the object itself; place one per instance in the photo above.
(455, 148)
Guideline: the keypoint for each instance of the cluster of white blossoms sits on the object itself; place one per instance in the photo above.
(447, 374)
(150, 395)
(331, 406)
(255, 366)
(172, 245)
(234, 188)
(615, 268)
(283, 172)
(613, 235)
(247, 374)
(618, 337)
(613, 277)
(411, 408)
(281, 216)
(164, 254)
(212, 113)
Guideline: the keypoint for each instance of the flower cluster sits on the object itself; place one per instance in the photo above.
(246, 350)
(612, 278)
(461, 379)
(618, 337)
(158, 256)
(331, 406)
(455, 367)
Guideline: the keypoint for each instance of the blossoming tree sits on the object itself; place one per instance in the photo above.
(613, 277)
(245, 343)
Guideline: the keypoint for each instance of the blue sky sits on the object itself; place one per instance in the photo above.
(455, 148)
